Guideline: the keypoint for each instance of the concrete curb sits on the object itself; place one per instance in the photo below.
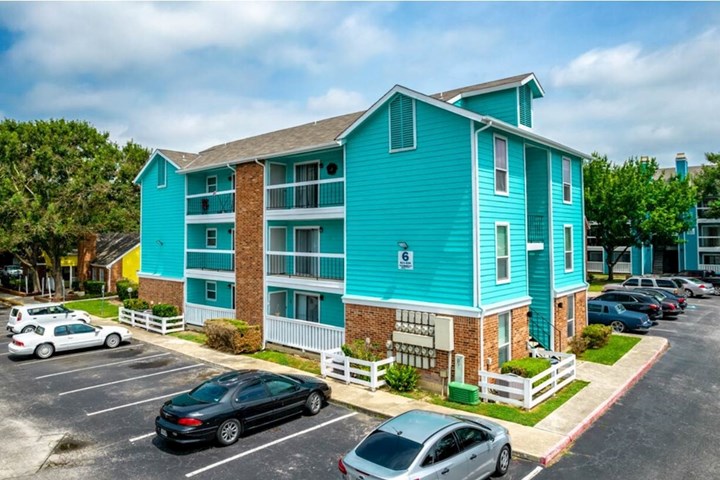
(576, 432)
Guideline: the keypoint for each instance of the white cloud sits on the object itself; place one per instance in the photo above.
(337, 102)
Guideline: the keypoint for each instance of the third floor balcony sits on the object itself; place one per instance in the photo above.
(211, 207)
(310, 199)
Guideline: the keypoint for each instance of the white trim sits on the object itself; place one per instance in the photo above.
(507, 165)
(569, 290)
(295, 306)
(207, 184)
(153, 276)
(207, 284)
(267, 307)
(150, 160)
(498, 88)
(307, 182)
(507, 305)
(583, 240)
(569, 183)
(186, 187)
(120, 257)
(529, 246)
(207, 231)
(572, 248)
(509, 332)
(205, 194)
(209, 307)
(325, 286)
(414, 120)
(204, 250)
(429, 307)
(475, 198)
(295, 250)
(517, 104)
(551, 241)
(572, 319)
(345, 269)
(502, 281)
(164, 164)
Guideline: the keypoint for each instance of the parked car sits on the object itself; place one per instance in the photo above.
(644, 282)
(680, 299)
(616, 316)
(225, 406)
(12, 271)
(635, 301)
(427, 445)
(694, 287)
(63, 335)
(26, 318)
(707, 276)
(670, 308)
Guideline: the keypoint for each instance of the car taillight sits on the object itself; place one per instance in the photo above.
(18, 343)
(19, 317)
(653, 306)
(189, 422)
(341, 467)
(672, 306)
(681, 300)
(701, 286)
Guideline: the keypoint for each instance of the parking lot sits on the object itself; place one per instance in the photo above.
(91, 414)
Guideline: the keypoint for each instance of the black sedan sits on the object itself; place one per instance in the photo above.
(224, 407)
(635, 301)
(671, 303)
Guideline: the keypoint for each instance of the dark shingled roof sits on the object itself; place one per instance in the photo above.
(111, 246)
(450, 94)
(181, 159)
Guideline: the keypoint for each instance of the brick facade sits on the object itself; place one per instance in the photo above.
(249, 242)
(86, 252)
(162, 291)
(111, 280)
(561, 338)
(519, 334)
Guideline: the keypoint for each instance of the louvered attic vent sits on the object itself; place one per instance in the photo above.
(402, 123)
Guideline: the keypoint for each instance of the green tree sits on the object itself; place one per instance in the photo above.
(59, 181)
(630, 207)
(708, 184)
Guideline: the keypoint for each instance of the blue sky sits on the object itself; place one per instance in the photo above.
(623, 79)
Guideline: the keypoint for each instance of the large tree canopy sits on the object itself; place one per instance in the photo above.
(59, 181)
(708, 184)
(627, 206)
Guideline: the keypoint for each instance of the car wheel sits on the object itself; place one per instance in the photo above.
(112, 340)
(28, 329)
(313, 404)
(618, 326)
(503, 462)
(229, 432)
(689, 292)
(44, 350)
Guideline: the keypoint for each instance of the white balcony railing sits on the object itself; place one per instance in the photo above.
(311, 194)
(622, 267)
(595, 267)
(326, 266)
(303, 335)
(196, 314)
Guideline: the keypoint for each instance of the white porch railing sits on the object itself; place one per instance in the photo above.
(520, 392)
(150, 322)
(622, 267)
(197, 314)
(596, 267)
(301, 334)
(333, 363)
(711, 267)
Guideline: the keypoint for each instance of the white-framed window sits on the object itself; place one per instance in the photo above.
(307, 307)
(162, 173)
(501, 165)
(502, 252)
(567, 180)
(504, 337)
(568, 245)
(211, 237)
(211, 184)
(211, 291)
(232, 181)
(570, 315)
(402, 123)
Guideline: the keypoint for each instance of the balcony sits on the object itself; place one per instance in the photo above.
(211, 207)
(536, 230)
(312, 199)
(712, 242)
(211, 264)
(321, 271)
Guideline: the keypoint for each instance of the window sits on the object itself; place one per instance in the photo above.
(502, 252)
(252, 393)
(445, 448)
(501, 166)
(631, 282)
(595, 256)
(646, 282)
(162, 173)
(402, 123)
(594, 308)
(470, 437)
(567, 180)
(568, 248)
(60, 331)
(665, 283)
(504, 353)
(211, 237)
(570, 315)
(77, 328)
(211, 291)
(211, 184)
(280, 386)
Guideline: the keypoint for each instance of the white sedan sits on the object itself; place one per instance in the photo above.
(63, 335)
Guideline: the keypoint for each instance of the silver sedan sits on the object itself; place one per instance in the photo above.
(694, 287)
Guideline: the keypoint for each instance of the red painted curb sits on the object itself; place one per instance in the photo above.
(600, 410)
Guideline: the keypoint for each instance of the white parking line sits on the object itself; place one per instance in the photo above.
(143, 436)
(267, 445)
(103, 365)
(655, 329)
(131, 379)
(134, 403)
(6, 353)
(533, 474)
(57, 359)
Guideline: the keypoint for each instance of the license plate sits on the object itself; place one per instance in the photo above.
(163, 432)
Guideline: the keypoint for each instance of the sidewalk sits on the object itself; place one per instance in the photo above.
(541, 443)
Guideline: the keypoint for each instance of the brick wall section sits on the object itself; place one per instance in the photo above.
(249, 242)
(561, 340)
(86, 253)
(115, 275)
(580, 311)
(519, 334)
(162, 291)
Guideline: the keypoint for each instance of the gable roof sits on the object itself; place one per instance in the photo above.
(177, 159)
(667, 172)
(111, 247)
(452, 96)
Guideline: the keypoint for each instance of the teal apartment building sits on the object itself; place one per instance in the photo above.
(440, 227)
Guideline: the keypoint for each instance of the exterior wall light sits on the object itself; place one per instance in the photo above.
(403, 245)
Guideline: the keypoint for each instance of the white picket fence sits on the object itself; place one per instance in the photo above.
(520, 392)
(150, 322)
(333, 363)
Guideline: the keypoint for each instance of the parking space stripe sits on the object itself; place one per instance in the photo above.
(267, 445)
(142, 436)
(131, 379)
(134, 403)
(6, 353)
(57, 359)
(533, 474)
(103, 365)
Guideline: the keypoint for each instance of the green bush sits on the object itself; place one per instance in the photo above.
(362, 351)
(596, 335)
(136, 304)
(164, 310)
(526, 367)
(93, 286)
(578, 345)
(122, 289)
(75, 285)
(233, 336)
(402, 378)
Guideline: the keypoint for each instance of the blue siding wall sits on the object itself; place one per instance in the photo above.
(567, 214)
(331, 238)
(422, 197)
(197, 182)
(196, 235)
(162, 222)
(196, 293)
(332, 309)
(691, 247)
(502, 208)
(502, 105)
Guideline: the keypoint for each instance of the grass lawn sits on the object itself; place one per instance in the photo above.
(99, 308)
(618, 346)
(294, 361)
(600, 280)
(197, 337)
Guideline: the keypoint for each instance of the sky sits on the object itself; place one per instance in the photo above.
(621, 79)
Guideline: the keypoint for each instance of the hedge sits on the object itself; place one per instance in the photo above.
(597, 336)
(136, 304)
(93, 286)
(122, 289)
(233, 336)
(164, 310)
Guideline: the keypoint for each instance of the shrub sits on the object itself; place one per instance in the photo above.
(526, 367)
(136, 304)
(164, 310)
(122, 289)
(596, 335)
(578, 344)
(233, 336)
(402, 378)
(362, 351)
(75, 285)
(93, 286)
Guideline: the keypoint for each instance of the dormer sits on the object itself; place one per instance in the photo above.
(509, 99)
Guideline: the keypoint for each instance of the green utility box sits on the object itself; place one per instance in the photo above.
(464, 393)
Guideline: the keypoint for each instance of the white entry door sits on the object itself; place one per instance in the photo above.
(306, 196)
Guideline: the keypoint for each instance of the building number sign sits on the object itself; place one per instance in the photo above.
(405, 260)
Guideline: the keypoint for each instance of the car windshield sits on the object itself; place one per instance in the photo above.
(619, 308)
(208, 392)
(389, 450)
(40, 330)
